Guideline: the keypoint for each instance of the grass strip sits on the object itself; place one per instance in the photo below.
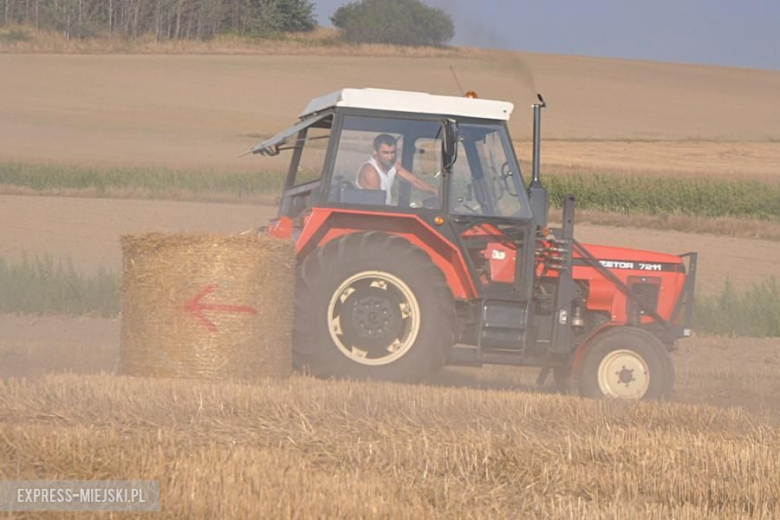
(661, 194)
(153, 182)
(616, 193)
(751, 312)
(41, 286)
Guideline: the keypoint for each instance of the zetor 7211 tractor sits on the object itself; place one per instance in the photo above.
(420, 245)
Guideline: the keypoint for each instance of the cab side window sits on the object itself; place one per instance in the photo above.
(311, 147)
(310, 165)
(427, 167)
(387, 150)
(356, 149)
(485, 181)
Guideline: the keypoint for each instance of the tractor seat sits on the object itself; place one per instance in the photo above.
(345, 191)
(353, 195)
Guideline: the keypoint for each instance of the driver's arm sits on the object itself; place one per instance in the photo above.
(414, 181)
(369, 178)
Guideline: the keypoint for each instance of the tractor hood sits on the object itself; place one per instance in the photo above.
(624, 258)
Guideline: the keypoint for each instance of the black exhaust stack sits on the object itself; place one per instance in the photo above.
(540, 200)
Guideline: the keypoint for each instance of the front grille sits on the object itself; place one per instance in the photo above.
(647, 291)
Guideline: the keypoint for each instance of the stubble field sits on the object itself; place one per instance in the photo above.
(471, 443)
(204, 110)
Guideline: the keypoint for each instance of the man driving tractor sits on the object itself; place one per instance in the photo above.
(378, 173)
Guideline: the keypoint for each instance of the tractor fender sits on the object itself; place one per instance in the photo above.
(582, 350)
(585, 346)
(325, 224)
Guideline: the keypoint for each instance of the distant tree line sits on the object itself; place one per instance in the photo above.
(164, 19)
(398, 22)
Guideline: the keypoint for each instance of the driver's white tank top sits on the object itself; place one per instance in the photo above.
(386, 179)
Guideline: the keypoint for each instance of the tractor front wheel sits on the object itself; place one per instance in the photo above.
(627, 363)
(372, 305)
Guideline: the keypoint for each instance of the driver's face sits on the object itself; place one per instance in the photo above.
(385, 155)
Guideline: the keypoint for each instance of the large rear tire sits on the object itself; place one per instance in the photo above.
(627, 363)
(372, 305)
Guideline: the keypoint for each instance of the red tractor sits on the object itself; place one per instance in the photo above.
(419, 245)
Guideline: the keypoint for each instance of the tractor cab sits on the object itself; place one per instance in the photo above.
(465, 159)
(420, 244)
(453, 162)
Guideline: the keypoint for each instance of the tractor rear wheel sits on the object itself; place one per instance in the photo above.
(372, 305)
(627, 363)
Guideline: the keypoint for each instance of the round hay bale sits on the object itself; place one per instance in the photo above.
(206, 306)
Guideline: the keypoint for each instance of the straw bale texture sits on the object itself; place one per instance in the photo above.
(207, 306)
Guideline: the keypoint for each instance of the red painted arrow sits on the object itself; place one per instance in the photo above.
(196, 308)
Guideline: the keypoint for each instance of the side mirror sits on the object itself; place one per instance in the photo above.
(449, 143)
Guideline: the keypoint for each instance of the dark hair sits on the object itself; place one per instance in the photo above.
(381, 139)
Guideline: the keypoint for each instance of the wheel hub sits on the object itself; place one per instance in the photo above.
(623, 374)
(626, 375)
(372, 317)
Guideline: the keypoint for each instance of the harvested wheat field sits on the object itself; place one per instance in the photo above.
(204, 110)
(343, 449)
(471, 443)
(712, 370)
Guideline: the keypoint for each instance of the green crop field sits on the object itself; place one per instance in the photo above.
(41, 286)
(656, 194)
(138, 182)
(619, 193)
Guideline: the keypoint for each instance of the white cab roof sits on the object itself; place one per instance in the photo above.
(415, 102)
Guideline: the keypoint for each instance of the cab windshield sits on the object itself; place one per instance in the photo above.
(486, 178)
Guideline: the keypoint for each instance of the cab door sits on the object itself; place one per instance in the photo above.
(488, 207)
